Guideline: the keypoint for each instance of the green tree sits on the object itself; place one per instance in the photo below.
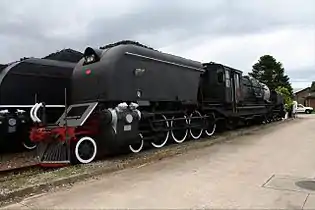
(312, 87)
(271, 72)
(287, 96)
(285, 93)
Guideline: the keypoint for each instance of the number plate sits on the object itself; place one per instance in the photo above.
(127, 127)
(11, 129)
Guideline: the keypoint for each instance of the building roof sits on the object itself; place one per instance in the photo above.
(301, 89)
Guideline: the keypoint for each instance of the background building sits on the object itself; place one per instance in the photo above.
(305, 97)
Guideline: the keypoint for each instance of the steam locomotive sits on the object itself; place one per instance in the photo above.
(24, 83)
(127, 96)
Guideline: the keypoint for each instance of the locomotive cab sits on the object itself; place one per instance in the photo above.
(236, 98)
(221, 85)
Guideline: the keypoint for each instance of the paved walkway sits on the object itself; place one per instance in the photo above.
(255, 171)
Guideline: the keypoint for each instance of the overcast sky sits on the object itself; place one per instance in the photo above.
(233, 32)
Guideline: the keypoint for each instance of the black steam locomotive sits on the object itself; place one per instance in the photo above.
(24, 83)
(128, 96)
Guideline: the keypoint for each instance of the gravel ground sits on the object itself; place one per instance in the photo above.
(16, 160)
(28, 182)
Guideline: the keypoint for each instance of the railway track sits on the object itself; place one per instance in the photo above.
(14, 164)
(17, 170)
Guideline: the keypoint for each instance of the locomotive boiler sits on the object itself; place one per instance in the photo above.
(24, 83)
(127, 96)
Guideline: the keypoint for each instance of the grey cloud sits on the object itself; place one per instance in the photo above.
(184, 20)
(173, 17)
(22, 30)
(306, 74)
(30, 28)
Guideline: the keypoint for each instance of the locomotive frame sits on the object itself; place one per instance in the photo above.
(125, 106)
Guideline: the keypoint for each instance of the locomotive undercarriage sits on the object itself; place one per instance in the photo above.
(83, 142)
(174, 127)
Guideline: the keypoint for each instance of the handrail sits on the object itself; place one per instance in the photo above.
(31, 112)
(36, 110)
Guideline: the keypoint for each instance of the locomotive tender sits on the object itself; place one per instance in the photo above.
(21, 84)
(128, 96)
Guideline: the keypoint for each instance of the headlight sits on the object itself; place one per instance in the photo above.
(90, 58)
(12, 122)
(129, 118)
(92, 55)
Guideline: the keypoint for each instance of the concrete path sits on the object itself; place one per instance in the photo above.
(258, 171)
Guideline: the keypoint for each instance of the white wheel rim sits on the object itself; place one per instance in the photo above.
(190, 131)
(213, 129)
(140, 148)
(166, 138)
(212, 132)
(29, 147)
(186, 132)
(77, 150)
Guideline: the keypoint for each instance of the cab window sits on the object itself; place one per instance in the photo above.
(220, 76)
